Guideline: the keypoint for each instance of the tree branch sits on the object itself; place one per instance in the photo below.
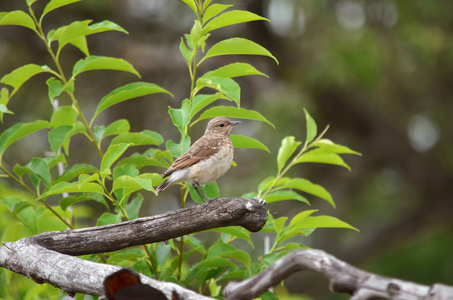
(42, 257)
(343, 277)
(248, 213)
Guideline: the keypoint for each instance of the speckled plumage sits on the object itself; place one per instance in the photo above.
(206, 160)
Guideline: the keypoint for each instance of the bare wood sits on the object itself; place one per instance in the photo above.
(72, 274)
(343, 277)
(248, 213)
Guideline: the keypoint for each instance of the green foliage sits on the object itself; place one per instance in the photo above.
(117, 179)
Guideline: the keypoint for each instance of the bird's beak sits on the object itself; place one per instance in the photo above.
(233, 123)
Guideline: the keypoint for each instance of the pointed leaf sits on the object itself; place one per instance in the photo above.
(54, 4)
(285, 195)
(232, 112)
(322, 158)
(200, 101)
(181, 116)
(241, 141)
(324, 222)
(230, 18)
(214, 10)
(39, 167)
(17, 17)
(330, 147)
(102, 63)
(58, 136)
(55, 88)
(311, 127)
(19, 131)
(127, 92)
(20, 75)
(234, 70)
(235, 46)
(72, 187)
(286, 150)
(75, 171)
(136, 138)
(113, 153)
(192, 5)
(134, 206)
(310, 188)
(226, 86)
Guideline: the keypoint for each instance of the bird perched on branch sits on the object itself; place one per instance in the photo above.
(206, 160)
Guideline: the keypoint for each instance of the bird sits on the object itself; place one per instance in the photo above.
(206, 160)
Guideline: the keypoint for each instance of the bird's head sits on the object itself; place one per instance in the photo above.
(220, 126)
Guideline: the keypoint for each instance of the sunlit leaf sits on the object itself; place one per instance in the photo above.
(72, 187)
(127, 92)
(286, 150)
(113, 153)
(311, 127)
(241, 141)
(315, 156)
(226, 86)
(17, 17)
(108, 218)
(285, 195)
(230, 18)
(310, 188)
(200, 101)
(234, 70)
(145, 137)
(214, 10)
(19, 131)
(75, 171)
(54, 4)
(58, 136)
(329, 146)
(192, 5)
(102, 63)
(323, 222)
(20, 75)
(236, 46)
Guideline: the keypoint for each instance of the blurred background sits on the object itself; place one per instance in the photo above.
(379, 72)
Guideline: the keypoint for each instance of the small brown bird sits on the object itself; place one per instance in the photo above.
(206, 160)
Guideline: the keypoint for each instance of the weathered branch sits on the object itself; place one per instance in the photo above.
(43, 257)
(248, 213)
(343, 277)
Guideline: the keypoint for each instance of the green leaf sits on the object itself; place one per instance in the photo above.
(64, 115)
(113, 153)
(234, 70)
(330, 147)
(106, 26)
(232, 112)
(74, 33)
(72, 187)
(108, 218)
(132, 184)
(20, 75)
(40, 168)
(55, 88)
(134, 206)
(286, 150)
(230, 18)
(58, 136)
(127, 92)
(285, 195)
(200, 101)
(315, 156)
(19, 131)
(178, 149)
(271, 258)
(236, 231)
(115, 128)
(145, 137)
(214, 10)
(17, 17)
(75, 171)
(211, 189)
(323, 222)
(54, 4)
(102, 63)
(186, 52)
(310, 188)
(181, 116)
(192, 5)
(311, 127)
(300, 217)
(236, 46)
(4, 99)
(241, 141)
(226, 86)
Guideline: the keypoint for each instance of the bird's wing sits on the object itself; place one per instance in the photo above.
(201, 149)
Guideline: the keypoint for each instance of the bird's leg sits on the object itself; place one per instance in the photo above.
(196, 186)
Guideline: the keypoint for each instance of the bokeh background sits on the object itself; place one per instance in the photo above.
(379, 72)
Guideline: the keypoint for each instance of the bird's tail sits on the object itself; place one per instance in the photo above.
(163, 186)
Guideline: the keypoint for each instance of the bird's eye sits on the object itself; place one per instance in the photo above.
(221, 125)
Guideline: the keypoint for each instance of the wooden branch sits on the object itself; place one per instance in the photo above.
(343, 277)
(42, 257)
(248, 213)
(72, 274)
